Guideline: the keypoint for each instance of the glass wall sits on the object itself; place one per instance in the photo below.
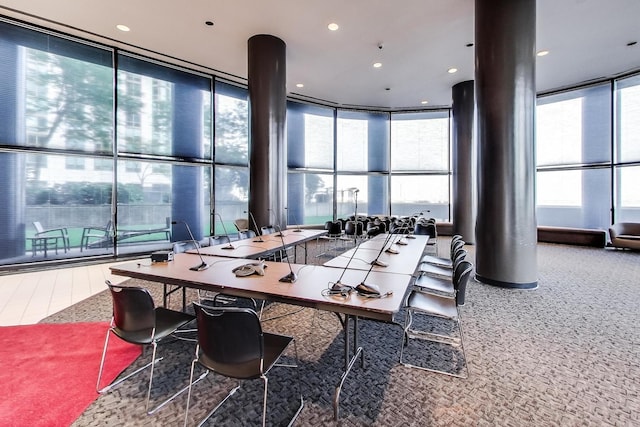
(310, 160)
(573, 150)
(362, 163)
(627, 150)
(89, 176)
(420, 164)
(231, 156)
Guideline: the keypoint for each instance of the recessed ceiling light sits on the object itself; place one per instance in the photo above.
(452, 70)
(333, 26)
(377, 65)
(123, 28)
(209, 23)
(424, 102)
(299, 85)
(543, 53)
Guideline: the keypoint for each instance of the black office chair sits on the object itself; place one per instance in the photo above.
(231, 343)
(136, 320)
(431, 305)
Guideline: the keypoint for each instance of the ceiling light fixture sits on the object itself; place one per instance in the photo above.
(452, 70)
(123, 28)
(543, 53)
(333, 26)
(377, 65)
(299, 85)
(424, 102)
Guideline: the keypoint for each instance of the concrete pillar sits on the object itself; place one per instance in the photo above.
(506, 237)
(464, 161)
(268, 110)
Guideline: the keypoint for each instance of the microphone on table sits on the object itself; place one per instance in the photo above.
(291, 277)
(338, 287)
(229, 246)
(297, 230)
(258, 232)
(203, 265)
(279, 234)
(376, 260)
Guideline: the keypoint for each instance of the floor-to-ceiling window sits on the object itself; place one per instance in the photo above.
(573, 150)
(420, 162)
(627, 150)
(310, 160)
(164, 150)
(231, 180)
(362, 163)
(100, 158)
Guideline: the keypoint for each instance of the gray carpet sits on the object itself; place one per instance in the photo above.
(566, 354)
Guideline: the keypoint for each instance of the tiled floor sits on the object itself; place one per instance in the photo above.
(27, 298)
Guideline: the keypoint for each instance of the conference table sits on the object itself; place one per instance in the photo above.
(309, 290)
(263, 246)
(405, 256)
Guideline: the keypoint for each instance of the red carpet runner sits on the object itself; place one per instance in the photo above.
(48, 371)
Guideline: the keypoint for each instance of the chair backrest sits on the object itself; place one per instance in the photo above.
(38, 226)
(460, 283)
(134, 316)
(185, 245)
(420, 229)
(335, 229)
(353, 228)
(231, 340)
(458, 244)
(241, 224)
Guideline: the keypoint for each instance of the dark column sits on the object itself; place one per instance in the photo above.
(267, 99)
(187, 187)
(12, 174)
(464, 161)
(506, 235)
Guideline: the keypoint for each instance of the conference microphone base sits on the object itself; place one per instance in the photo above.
(297, 230)
(258, 241)
(410, 236)
(392, 251)
(200, 267)
(379, 263)
(289, 278)
(228, 247)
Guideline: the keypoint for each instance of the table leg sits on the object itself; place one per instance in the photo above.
(348, 361)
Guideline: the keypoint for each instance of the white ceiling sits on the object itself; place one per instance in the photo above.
(587, 40)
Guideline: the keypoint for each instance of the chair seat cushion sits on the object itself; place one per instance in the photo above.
(627, 237)
(435, 283)
(433, 304)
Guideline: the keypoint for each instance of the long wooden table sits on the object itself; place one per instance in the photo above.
(403, 262)
(309, 290)
(269, 244)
